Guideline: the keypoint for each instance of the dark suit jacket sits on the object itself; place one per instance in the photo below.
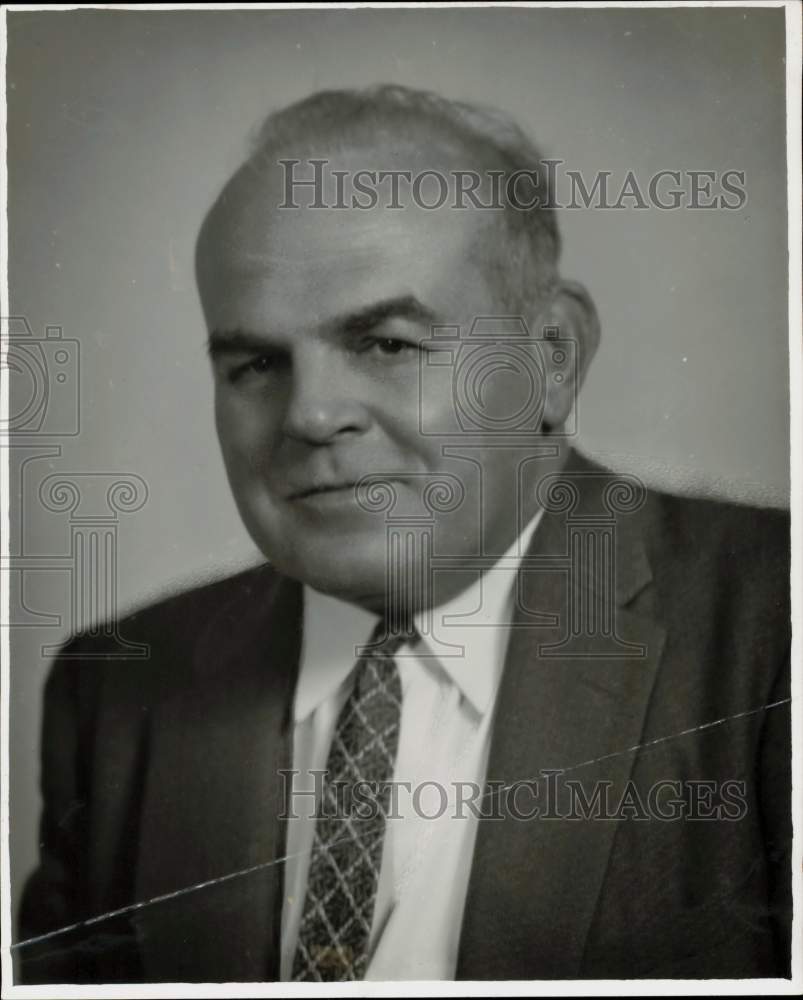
(161, 795)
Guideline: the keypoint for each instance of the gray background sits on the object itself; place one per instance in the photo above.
(123, 125)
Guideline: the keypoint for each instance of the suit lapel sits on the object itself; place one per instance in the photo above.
(535, 883)
(209, 835)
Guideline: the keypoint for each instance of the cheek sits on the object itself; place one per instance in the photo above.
(435, 413)
(246, 430)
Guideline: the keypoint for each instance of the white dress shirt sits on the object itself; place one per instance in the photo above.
(448, 697)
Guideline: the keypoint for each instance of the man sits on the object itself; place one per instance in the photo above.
(566, 698)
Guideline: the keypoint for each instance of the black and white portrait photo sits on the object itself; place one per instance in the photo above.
(401, 575)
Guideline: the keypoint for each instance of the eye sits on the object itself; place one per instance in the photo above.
(256, 368)
(390, 346)
(264, 363)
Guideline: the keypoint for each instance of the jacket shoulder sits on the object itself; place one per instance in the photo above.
(183, 611)
(722, 571)
(135, 653)
(750, 539)
(702, 532)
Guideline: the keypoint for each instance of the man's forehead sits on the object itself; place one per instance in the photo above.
(311, 198)
(290, 289)
(260, 223)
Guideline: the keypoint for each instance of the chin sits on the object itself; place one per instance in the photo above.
(348, 569)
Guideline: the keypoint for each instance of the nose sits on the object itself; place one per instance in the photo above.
(322, 405)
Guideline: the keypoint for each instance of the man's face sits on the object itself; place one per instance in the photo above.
(318, 323)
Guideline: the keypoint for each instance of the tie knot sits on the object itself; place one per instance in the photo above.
(388, 635)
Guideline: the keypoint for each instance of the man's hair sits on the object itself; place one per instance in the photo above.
(523, 264)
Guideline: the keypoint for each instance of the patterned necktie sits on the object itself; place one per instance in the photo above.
(347, 847)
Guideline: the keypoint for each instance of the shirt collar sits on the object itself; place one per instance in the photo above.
(332, 632)
(474, 626)
(467, 635)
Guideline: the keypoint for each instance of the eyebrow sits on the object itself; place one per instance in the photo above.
(405, 307)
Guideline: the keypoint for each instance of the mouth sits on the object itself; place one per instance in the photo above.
(322, 490)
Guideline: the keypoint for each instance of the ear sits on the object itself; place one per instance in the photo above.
(572, 310)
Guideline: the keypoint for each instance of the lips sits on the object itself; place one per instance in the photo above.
(321, 488)
(364, 485)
